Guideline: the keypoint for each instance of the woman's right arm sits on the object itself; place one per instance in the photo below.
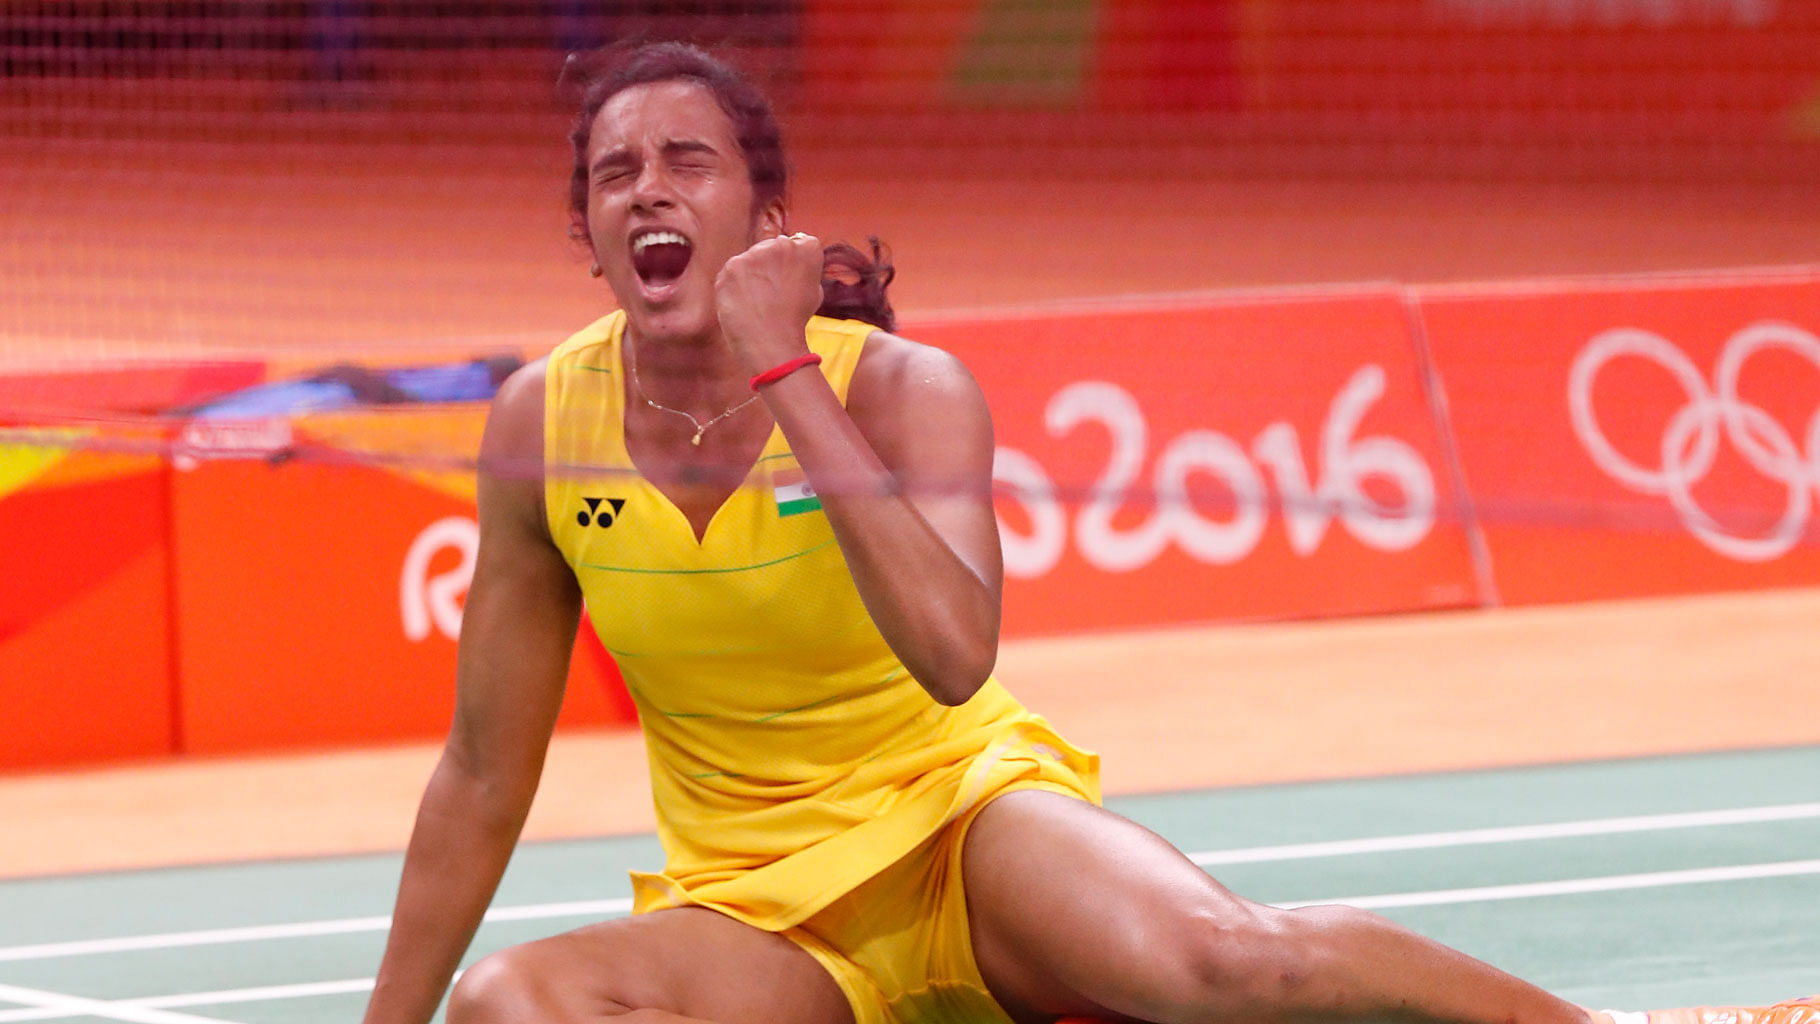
(518, 627)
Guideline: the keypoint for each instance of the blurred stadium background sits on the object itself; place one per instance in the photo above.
(260, 188)
(277, 174)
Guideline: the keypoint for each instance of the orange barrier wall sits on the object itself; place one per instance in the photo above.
(1229, 459)
(85, 537)
(1652, 436)
(319, 590)
(298, 582)
(85, 670)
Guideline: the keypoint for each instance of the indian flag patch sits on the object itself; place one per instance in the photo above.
(795, 495)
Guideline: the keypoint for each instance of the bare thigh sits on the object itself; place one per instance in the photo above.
(688, 963)
(1076, 910)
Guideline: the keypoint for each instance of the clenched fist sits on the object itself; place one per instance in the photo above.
(765, 297)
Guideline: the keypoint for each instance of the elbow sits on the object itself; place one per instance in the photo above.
(954, 678)
(953, 696)
(951, 654)
(494, 791)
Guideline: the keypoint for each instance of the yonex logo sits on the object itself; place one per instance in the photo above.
(595, 515)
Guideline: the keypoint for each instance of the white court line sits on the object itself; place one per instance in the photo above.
(1511, 834)
(1571, 886)
(1417, 841)
(76, 1006)
(262, 994)
(305, 929)
(537, 912)
(66, 1006)
(205, 937)
(1381, 844)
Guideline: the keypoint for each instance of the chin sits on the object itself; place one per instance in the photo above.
(671, 322)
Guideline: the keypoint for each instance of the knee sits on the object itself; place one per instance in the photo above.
(554, 979)
(503, 986)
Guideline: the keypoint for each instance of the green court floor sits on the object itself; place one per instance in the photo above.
(1626, 884)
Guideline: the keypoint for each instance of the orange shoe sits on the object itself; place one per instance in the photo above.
(1794, 1011)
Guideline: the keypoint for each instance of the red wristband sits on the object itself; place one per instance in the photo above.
(784, 369)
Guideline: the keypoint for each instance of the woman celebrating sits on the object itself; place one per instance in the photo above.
(777, 515)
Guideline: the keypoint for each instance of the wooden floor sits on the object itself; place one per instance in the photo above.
(1167, 710)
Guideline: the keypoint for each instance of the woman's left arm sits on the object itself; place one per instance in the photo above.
(904, 473)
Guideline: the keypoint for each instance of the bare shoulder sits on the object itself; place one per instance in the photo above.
(511, 473)
(514, 431)
(896, 373)
(919, 406)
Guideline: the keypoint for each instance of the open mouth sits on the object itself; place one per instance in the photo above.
(659, 257)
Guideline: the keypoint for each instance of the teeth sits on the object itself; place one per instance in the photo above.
(644, 241)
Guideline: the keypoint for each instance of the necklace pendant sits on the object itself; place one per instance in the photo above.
(696, 440)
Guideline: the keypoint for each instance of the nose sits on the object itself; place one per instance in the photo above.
(652, 191)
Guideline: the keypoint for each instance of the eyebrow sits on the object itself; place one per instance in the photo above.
(671, 148)
(674, 147)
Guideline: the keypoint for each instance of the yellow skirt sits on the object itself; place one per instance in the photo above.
(882, 908)
(900, 946)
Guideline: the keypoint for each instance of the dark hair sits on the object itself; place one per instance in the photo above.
(853, 283)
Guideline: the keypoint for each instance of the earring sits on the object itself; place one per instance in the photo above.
(594, 270)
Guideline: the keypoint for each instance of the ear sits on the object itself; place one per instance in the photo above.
(770, 220)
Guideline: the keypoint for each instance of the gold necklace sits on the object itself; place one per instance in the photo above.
(700, 427)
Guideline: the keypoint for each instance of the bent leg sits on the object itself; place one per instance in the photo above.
(667, 966)
(1077, 911)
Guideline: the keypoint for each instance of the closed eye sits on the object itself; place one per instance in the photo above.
(613, 166)
(690, 154)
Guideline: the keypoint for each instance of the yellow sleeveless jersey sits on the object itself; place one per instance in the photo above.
(792, 755)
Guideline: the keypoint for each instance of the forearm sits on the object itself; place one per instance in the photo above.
(460, 845)
(938, 614)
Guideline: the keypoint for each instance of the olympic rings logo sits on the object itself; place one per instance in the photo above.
(1690, 439)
